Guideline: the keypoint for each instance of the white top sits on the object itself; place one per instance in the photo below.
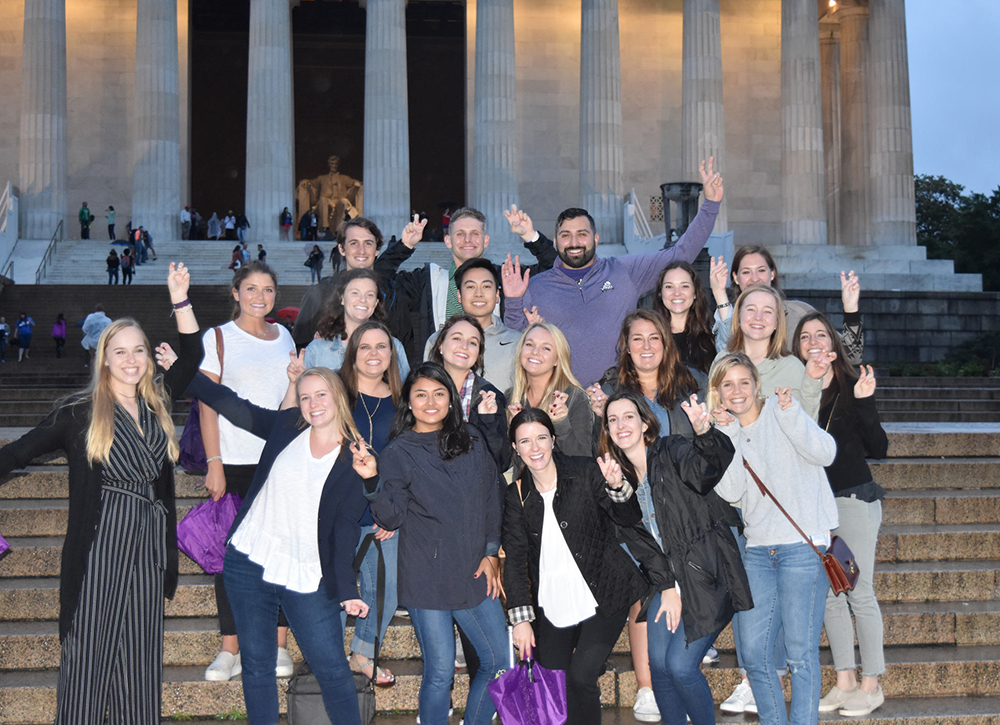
(230, 222)
(562, 591)
(255, 370)
(280, 532)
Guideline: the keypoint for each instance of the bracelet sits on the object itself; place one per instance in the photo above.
(188, 308)
(723, 306)
(214, 458)
(186, 302)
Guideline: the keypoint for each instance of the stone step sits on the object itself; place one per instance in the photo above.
(938, 393)
(52, 482)
(964, 405)
(927, 439)
(48, 517)
(937, 416)
(959, 472)
(27, 420)
(888, 382)
(927, 506)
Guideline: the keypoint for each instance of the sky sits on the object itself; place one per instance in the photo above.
(954, 56)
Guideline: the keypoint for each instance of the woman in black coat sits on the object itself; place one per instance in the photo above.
(674, 478)
(569, 584)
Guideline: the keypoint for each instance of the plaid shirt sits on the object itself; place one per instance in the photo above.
(465, 395)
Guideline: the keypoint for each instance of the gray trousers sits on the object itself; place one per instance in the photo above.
(859, 525)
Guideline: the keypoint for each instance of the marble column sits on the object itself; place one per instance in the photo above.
(494, 185)
(891, 193)
(854, 228)
(803, 191)
(601, 155)
(703, 127)
(829, 52)
(42, 162)
(270, 161)
(156, 164)
(386, 174)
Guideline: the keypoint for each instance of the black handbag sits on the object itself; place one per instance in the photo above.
(305, 699)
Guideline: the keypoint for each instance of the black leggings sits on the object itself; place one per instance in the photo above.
(238, 480)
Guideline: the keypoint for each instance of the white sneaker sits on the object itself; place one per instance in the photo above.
(225, 667)
(285, 666)
(741, 700)
(645, 709)
(711, 657)
(835, 698)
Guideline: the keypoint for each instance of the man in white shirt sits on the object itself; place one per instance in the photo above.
(186, 222)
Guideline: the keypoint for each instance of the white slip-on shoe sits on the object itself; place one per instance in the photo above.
(285, 667)
(225, 667)
(645, 709)
(861, 703)
(835, 699)
(738, 701)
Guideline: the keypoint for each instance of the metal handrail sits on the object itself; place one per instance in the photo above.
(50, 251)
(642, 230)
(5, 207)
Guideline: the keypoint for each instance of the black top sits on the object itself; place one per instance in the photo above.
(66, 429)
(856, 427)
(697, 352)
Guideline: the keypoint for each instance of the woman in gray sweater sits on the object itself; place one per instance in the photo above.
(787, 450)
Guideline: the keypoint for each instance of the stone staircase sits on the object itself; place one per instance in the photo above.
(956, 400)
(938, 579)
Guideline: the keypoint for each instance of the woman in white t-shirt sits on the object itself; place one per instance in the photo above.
(253, 361)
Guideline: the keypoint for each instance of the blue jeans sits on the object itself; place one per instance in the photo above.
(113, 275)
(315, 275)
(363, 641)
(486, 628)
(789, 588)
(313, 618)
(780, 656)
(675, 669)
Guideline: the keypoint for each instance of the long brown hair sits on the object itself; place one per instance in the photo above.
(844, 376)
(349, 371)
(101, 396)
(673, 380)
(698, 323)
(333, 325)
(438, 356)
(776, 347)
(607, 445)
(254, 266)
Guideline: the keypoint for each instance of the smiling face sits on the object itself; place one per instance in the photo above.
(753, 270)
(814, 339)
(534, 444)
(429, 402)
(677, 292)
(576, 242)
(738, 391)
(460, 347)
(478, 294)
(625, 426)
(256, 295)
(316, 402)
(359, 300)
(759, 316)
(466, 239)
(645, 346)
(539, 356)
(359, 248)
(126, 357)
(374, 354)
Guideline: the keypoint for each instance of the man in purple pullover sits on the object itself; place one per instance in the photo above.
(588, 297)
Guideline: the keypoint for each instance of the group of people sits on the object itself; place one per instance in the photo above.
(20, 336)
(623, 464)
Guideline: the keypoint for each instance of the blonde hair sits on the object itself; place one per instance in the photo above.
(719, 370)
(562, 377)
(347, 427)
(100, 394)
(776, 347)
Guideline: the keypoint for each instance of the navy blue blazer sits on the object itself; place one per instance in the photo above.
(343, 500)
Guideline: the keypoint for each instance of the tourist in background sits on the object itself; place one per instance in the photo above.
(242, 224)
(119, 559)
(186, 223)
(110, 214)
(23, 329)
(86, 218)
(229, 226)
(127, 263)
(683, 303)
(4, 334)
(252, 363)
(113, 264)
(315, 264)
(59, 333)
(93, 326)
(261, 253)
(285, 223)
(848, 413)
(214, 227)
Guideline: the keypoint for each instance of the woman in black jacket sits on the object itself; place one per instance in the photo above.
(848, 413)
(119, 559)
(674, 478)
(569, 585)
(438, 484)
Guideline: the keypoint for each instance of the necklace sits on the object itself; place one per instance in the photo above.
(370, 414)
(130, 397)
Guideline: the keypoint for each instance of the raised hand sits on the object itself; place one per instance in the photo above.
(850, 291)
(513, 409)
(611, 471)
(722, 416)
(865, 387)
(711, 180)
(557, 409)
(364, 460)
(718, 277)
(296, 365)
(488, 405)
(697, 413)
(178, 281)
(514, 285)
(819, 364)
(532, 316)
(165, 356)
(785, 398)
(413, 232)
(520, 223)
(355, 608)
(597, 399)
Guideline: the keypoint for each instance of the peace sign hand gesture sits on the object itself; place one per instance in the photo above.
(296, 365)
(520, 223)
(611, 471)
(697, 413)
(364, 461)
(413, 232)
(865, 387)
(711, 180)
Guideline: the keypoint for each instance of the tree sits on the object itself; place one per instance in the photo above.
(961, 227)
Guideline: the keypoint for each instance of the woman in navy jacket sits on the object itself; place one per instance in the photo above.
(292, 544)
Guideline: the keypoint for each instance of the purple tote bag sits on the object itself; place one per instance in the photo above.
(3, 545)
(529, 694)
(202, 534)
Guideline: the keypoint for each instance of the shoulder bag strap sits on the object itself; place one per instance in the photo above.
(368, 541)
(220, 347)
(767, 494)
